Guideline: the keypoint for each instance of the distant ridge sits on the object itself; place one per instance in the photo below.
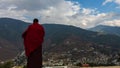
(107, 29)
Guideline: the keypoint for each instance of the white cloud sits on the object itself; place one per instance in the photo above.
(111, 19)
(55, 11)
(31, 4)
(114, 1)
(117, 1)
(107, 1)
(26, 9)
(114, 22)
(13, 14)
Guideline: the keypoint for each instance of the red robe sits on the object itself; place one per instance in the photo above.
(33, 38)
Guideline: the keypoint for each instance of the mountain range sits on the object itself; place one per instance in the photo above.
(61, 41)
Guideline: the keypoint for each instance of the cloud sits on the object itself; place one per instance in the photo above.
(112, 19)
(115, 22)
(107, 1)
(55, 11)
(20, 9)
(13, 14)
(114, 1)
(30, 4)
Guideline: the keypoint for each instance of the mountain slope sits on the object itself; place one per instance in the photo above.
(57, 33)
(11, 29)
(107, 29)
(64, 42)
(7, 50)
(10, 37)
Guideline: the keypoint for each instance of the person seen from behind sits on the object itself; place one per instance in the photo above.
(33, 39)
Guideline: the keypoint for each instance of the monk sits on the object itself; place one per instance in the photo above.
(33, 39)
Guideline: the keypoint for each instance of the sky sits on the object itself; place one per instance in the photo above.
(80, 13)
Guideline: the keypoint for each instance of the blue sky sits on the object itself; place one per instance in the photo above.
(109, 7)
(79, 13)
